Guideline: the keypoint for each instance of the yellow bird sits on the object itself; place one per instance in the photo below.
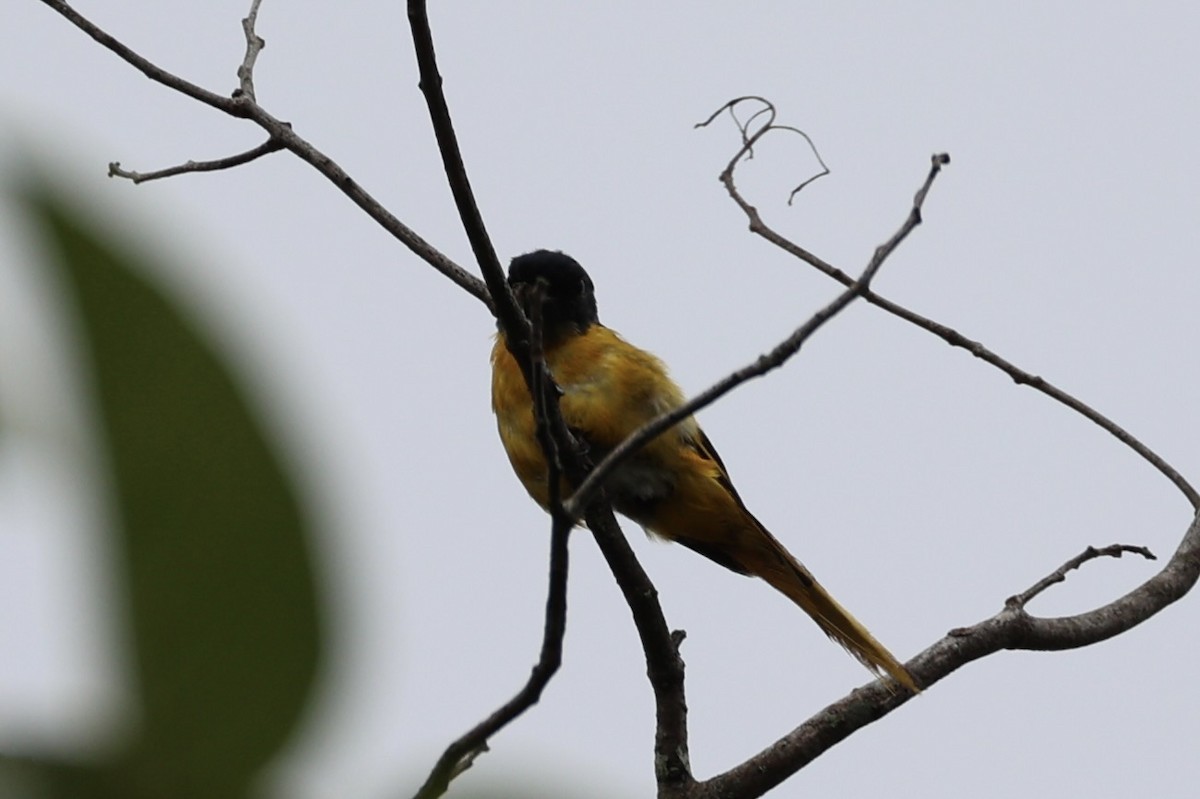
(676, 486)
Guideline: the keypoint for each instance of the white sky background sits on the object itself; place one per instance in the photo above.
(919, 484)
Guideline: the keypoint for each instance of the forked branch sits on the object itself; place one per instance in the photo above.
(765, 363)
(663, 665)
(244, 106)
(947, 334)
(1011, 628)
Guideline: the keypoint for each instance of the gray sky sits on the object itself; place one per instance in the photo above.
(920, 485)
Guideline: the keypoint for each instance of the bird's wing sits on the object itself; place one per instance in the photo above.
(700, 444)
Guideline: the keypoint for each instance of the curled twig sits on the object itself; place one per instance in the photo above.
(750, 139)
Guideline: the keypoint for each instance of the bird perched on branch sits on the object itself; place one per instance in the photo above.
(676, 486)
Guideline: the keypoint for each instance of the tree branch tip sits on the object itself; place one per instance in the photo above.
(115, 171)
(729, 104)
(1117, 550)
(677, 638)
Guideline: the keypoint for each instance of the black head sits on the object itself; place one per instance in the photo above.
(569, 298)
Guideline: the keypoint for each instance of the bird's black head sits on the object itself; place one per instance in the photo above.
(569, 300)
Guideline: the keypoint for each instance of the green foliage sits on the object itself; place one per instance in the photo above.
(214, 546)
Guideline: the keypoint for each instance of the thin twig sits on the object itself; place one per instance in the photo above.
(254, 46)
(1059, 575)
(743, 127)
(824, 169)
(269, 146)
(947, 334)
(149, 69)
(456, 171)
(748, 139)
(243, 107)
(461, 754)
(765, 363)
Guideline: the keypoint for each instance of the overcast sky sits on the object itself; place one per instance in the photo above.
(919, 484)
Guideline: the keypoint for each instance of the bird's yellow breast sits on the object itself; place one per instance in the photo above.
(610, 389)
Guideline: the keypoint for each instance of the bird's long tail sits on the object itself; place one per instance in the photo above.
(788, 576)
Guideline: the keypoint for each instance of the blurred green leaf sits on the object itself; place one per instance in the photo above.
(214, 544)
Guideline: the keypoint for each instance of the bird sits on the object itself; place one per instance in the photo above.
(676, 487)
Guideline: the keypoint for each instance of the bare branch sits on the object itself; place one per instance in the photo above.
(456, 171)
(149, 69)
(664, 667)
(360, 197)
(1022, 377)
(254, 46)
(947, 334)
(765, 363)
(824, 169)
(768, 108)
(269, 146)
(1059, 575)
(1011, 628)
(244, 107)
(672, 768)
(461, 754)
(749, 139)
